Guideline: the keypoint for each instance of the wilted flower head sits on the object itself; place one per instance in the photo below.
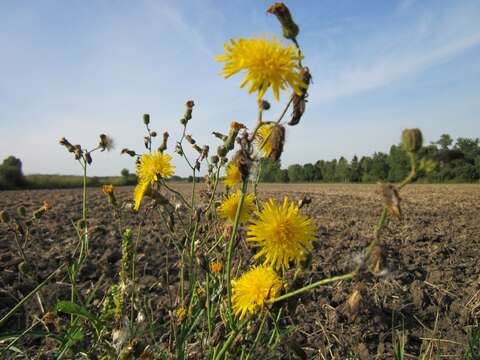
(270, 140)
(180, 313)
(282, 233)
(229, 205)
(253, 289)
(106, 142)
(267, 64)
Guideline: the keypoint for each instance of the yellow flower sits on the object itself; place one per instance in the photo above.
(139, 193)
(150, 169)
(253, 288)
(107, 189)
(282, 233)
(154, 166)
(264, 134)
(228, 207)
(233, 177)
(267, 63)
(216, 267)
(180, 313)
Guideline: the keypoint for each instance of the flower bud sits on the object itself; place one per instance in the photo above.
(265, 105)
(4, 217)
(188, 112)
(220, 136)
(215, 159)
(88, 158)
(153, 134)
(289, 28)
(190, 139)
(412, 140)
(222, 151)
(146, 119)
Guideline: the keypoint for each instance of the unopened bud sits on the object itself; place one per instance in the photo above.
(178, 149)
(220, 136)
(190, 139)
(215, 159)
(146, 119)
(289, 28)
(222, 151)
(153, 134)
(265, 105)
(197, 148)
(88, 158)
(412, 140)
(4, 217)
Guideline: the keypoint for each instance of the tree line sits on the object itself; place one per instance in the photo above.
(443, 161)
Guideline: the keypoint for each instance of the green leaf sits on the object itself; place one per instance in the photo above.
(69, 307)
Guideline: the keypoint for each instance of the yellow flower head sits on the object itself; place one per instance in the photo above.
(107, 189)
(253, 288)
(282, 233)
(228, 207)
(267, 63)
(154, 166)
(150, 168)
(233, 177)
(180, 313)
(47, 206)
(216, 267)
(264, 134)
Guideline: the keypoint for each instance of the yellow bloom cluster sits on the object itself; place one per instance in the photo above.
(229, 205)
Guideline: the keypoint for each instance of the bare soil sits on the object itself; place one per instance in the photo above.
(428, 289)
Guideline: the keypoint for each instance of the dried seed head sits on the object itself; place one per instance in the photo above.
(77, 150)
(146, 119)
(289, 28)
(299, 100)
(412, 140)
(106, 142)
(392, 199)
(163, 146)
(243, 162)
(276, 141)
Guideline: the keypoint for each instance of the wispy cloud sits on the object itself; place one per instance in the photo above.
(393, 53)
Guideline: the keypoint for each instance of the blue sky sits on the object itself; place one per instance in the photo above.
(81, 68)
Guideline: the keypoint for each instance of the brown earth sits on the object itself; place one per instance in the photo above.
(428, 290)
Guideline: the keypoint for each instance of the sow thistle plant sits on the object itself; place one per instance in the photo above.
(239, 257)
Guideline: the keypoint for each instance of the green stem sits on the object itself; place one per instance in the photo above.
(229, 341)
(257, 338)
(230, 247)
(348, 276)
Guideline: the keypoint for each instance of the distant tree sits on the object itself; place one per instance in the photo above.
(125, 173)
(398, 163)
(11, 175)
(379, 167)
(281, 176)
(355, 170)
(269, 170)
(342, 171)
(295, 173)
(445, 141)
(309, 172)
